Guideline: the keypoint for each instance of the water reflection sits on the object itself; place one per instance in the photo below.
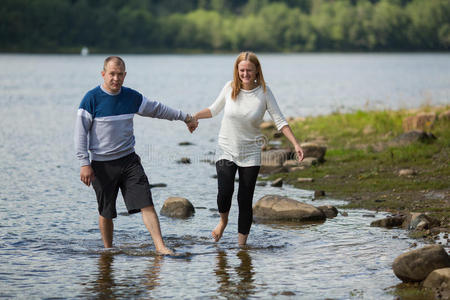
(111, 283)
(103, 287)
(237, 282)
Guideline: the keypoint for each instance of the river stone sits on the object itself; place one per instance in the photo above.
(416, 265)
(412, 137)
(177, 207)
(438, 278)
(314, 150)
(278, 208)
(329, 211)
(421, 121)
(277, 182)
(413, 220)
(389, 222)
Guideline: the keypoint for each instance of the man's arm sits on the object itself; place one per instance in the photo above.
(82, 127)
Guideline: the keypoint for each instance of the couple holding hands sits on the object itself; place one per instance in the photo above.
(104, 127)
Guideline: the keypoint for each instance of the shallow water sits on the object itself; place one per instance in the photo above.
(49, 242)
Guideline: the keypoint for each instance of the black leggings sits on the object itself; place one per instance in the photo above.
(226, 171)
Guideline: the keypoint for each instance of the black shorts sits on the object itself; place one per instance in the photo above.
(127, 174)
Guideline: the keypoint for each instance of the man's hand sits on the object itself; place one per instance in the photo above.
(192, 125)
(86, 175)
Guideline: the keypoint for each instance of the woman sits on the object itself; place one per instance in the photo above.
(245, 101)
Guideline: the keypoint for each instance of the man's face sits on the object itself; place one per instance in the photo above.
(113, 77)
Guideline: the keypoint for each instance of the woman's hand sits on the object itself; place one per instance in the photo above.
(298, 152)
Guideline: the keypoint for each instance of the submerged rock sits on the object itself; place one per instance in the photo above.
(416, 265)
(278, 208)
(329, 211)
(389, 222)
(177, 207)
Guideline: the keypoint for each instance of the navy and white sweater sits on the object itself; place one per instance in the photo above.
(104, 123)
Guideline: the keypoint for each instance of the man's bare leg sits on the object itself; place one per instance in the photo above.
(106, 229)
(242, 239)
(151, 221)
(218, 231)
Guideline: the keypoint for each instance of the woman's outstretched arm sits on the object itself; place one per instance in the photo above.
(203, 114)
(287, 131)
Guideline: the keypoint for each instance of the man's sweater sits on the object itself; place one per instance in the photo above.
(104, 123)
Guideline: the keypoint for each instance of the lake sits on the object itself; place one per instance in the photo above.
(50, 245)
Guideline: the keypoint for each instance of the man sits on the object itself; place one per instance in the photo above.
(105, 127)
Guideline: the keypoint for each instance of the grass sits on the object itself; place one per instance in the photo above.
(362, 165)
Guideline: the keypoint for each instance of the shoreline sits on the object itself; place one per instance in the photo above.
(365, 164)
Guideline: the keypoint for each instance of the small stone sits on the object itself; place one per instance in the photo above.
(318, 194)
(407, 172)
(261, 183)
(185, 144)
(277, 182)
(305, 179)
(344, 214)
(184, 160)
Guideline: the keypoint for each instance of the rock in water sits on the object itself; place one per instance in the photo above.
(416, 265)
(278, 208)
(177, 207)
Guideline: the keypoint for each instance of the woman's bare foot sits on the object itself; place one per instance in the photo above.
(218, 231)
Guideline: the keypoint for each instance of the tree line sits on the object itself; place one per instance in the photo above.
(147, 26)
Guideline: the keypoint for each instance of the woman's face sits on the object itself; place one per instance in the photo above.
(247, 73)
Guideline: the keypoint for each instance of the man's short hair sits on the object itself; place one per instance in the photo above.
(116, 59)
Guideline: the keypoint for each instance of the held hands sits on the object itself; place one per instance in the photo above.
(86, 175)
(192, 124)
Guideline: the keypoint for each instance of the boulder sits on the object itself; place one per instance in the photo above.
(278, 208)
(416, 265)
(421, 121)
(438, 278)
(329, 211)
(413, 220)
(412, 137)
(177, 207)
(314, 150)
(389, 222)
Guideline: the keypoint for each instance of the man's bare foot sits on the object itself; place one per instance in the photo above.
(218, 231)
(164, 251)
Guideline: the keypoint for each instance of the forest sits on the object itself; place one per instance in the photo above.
(204, 26)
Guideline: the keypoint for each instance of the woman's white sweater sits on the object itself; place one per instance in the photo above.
(240, 138)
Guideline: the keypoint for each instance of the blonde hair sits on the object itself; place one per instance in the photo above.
(237, 83)
(116, 60)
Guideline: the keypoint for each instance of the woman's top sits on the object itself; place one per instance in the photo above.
(240, 138)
